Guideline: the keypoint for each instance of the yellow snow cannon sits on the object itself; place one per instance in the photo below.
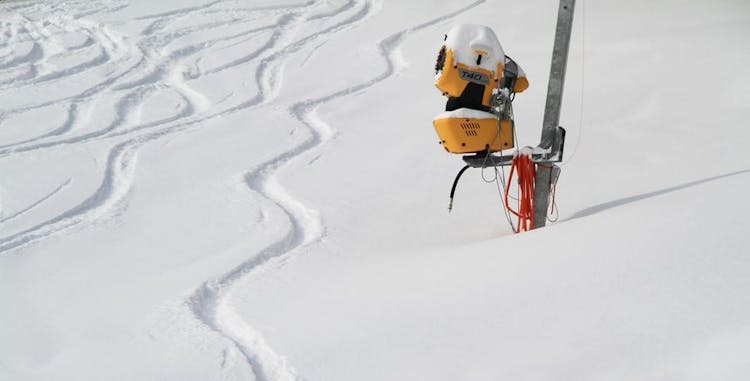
(480, 83)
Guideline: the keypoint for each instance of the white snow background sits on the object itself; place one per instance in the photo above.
(253, 190)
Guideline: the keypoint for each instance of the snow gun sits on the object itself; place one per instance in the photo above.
(481, 82)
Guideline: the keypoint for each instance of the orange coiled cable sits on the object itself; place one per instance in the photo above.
(526, 172)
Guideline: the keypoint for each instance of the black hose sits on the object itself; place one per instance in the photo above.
(453, 188)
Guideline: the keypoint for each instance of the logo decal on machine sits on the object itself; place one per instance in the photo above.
(475, 77)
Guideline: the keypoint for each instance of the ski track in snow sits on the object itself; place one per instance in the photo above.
(105, 202)
(35, 203)
(135, 71)
(117, 178)
(109, 199)
(211, 302)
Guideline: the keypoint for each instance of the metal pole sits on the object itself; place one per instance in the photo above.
(552, 107)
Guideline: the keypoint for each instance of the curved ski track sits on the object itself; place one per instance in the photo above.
(139, 71)
(35, 203)
(117, 177)
(210, 302)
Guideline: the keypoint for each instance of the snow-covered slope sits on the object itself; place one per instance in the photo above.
(253, 190)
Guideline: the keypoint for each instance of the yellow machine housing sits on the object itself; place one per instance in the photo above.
(468, 126)
(455, 77)
(461, 135)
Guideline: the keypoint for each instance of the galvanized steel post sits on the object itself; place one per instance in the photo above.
(552, 107)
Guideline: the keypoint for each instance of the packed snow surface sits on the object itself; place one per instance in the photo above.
(253, 190)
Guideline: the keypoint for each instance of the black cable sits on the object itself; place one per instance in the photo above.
(455, 183)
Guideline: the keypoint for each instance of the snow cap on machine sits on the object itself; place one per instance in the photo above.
(468, 40)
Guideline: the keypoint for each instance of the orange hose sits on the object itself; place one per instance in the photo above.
(524, 166)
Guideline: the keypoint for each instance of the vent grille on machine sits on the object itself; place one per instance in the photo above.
(470, 128)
